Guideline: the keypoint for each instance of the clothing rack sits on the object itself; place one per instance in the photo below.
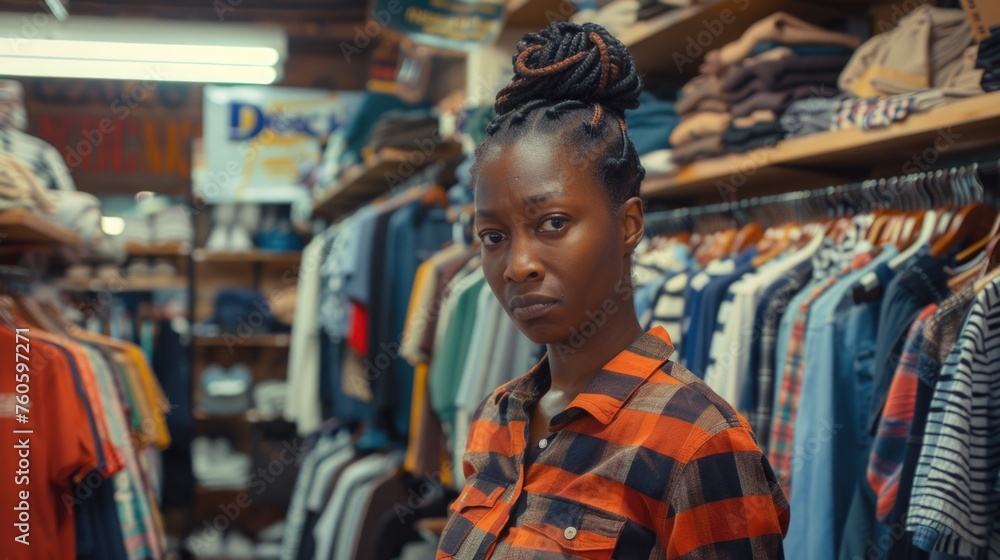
(958, 185)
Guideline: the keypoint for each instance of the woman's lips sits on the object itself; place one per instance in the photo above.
(533, 311)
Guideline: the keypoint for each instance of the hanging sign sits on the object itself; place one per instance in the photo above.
(260, 141)
(463, 25)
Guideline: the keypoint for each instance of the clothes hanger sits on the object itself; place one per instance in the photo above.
(746, 237)
(926, 231)
(434, 195)
(979, 245)
(972, 221)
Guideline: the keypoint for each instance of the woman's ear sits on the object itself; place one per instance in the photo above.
(632, 222)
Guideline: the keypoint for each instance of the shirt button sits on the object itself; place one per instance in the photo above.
(542, 444)
(570, 533)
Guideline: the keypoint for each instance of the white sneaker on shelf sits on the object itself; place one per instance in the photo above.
(240, 239)
(272, 533)
(206, 543)
(239, 545)
(224, 214)
(248, 216)
(219, 239)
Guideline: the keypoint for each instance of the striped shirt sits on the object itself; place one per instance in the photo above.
(646, 462)
(954, 508)
(40, 157)
(668, 309)
(768, 315)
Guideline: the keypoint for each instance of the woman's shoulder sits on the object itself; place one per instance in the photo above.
(676, 392)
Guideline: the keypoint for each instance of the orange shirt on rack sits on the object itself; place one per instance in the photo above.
(113, 456)
(44, 463)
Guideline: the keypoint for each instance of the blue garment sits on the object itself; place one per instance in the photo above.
(413, 233)
(713, 296)
(98, 529)
(827, 457)
(693, 297)
(357, 255)
(920, 284)
(802, 50)
(785, 333)
(650, 125)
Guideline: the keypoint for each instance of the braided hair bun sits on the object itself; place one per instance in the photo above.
(572, 62)
(574, 82)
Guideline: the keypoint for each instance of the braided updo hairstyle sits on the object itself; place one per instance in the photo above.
(574, 81)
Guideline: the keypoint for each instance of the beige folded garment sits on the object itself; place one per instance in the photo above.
(779, 27)
(925, 50)
(699, 125)
(18, 183)
(758, 116)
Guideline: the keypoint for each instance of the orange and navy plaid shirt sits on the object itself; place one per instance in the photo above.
(646, 462)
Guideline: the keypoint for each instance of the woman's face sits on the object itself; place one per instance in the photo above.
(553, 254)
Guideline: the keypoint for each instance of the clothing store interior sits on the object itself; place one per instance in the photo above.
(242, 232)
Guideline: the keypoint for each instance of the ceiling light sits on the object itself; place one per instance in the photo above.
(127, 70)
(148, 52)
(170, 51)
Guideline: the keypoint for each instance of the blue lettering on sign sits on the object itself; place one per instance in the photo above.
(247, 121)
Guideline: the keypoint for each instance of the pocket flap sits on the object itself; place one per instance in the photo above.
(479, 491)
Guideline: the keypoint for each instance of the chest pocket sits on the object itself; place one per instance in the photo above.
(464, 535)
(552, 527)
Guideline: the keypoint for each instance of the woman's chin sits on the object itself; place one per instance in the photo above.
(543, 332)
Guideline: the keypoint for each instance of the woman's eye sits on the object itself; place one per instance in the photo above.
(491, 237)
(553, 224)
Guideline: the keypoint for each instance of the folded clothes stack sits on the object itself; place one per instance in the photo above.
(734, 104)
(650, 127)
(649, 9)
(699, 135)
(988, 60)
(616, 16)
(929, 59)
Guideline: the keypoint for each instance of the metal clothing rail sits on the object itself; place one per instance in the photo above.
(959, 185)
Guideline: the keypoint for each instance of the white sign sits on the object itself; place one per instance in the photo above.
(260, 142)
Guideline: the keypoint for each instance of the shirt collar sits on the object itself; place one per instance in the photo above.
(608, 391)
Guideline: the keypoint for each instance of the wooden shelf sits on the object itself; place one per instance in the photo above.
(20, 225)
(537, 14)
(175, 249)
(842, 155)
(675, 42)
(206, 256)
(150, 284)
(252, 416)
(204, 491)
(365, 182)
(252, 341)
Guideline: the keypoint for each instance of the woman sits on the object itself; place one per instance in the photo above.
(605, 449)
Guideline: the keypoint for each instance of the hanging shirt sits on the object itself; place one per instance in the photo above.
(623, 473)
(889, 448)
(953, 509)
(60, 450)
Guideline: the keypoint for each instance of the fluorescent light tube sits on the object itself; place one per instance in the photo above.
(134, 70)
(141, 52)
(106, 48)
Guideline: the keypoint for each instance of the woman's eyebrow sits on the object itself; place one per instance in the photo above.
(537, 199)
